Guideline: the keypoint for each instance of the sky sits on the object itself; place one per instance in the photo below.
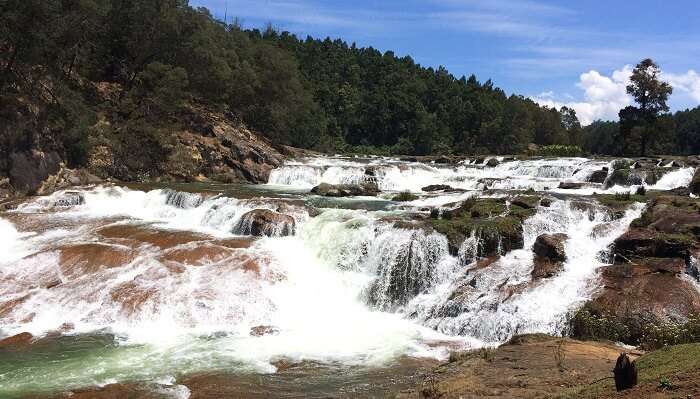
(576, 53)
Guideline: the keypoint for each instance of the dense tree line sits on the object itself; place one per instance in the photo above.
(677, 134)
(78, 72)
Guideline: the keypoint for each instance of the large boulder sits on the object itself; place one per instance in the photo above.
(549, 255)
(566, 185)
(551, 246)
(598, 176)
(346, 190)
(264, 222)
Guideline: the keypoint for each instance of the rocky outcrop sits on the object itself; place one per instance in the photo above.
(635, 176)
(598, 176)
(493, 162)
(437, 187)
(496, 227)
(345, 190)
(695, 183)
(549, 255)
(644, 287)
(264, 222)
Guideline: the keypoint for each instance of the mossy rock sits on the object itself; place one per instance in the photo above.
(498, 226)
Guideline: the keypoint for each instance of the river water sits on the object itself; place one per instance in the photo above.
(156, 285)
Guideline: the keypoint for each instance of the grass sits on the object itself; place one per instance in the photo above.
(656, 369)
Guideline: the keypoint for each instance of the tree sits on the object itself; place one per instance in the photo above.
(651, 94)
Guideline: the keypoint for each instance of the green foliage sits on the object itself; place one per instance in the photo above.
(658, 335)
(588, 324)
(404, 197)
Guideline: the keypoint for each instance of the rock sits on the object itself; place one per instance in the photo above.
(29, 170)
(436, 187)
(346, 190)
(493, 162)
(546, 202)
(551, 246)
(625, 373)
(570, 185)
(443, 160)
(549, 255)
(259, 331)
(545, 268)
(598, 176)
(642, 242)
(264, 222)
(635, 176)
(18, 341)
(526, 202)
(370, 171)
(694, 186)
(70, 198)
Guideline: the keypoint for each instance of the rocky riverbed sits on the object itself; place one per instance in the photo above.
(345, 276)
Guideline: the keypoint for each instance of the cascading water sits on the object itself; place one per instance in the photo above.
(173, 283)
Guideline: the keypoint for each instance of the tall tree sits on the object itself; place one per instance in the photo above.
(651, 94)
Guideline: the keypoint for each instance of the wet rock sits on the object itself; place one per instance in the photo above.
(549, 255)
(182, 200)
(18, 341)
(551, 246)
(526, 202)
(570, 185)
(370, 171)
(546, 202)
(346, 190)
(635, 176)
(259, 331)
(264, 222)
(436, 187)
(598, 176)
(70, 199)
(641, 242)
(493, 162)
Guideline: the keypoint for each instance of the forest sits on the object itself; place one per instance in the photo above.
(77, 73)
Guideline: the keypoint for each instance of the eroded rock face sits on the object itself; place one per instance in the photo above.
(264, 222)
(345, 190)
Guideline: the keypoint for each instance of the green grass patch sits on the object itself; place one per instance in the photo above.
(404, 197)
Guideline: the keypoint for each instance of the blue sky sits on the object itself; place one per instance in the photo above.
(575, 53)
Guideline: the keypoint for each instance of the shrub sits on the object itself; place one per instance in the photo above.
(404, 197)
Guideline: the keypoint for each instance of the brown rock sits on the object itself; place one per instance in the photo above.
(16, 341)
(264, 222)
(551, 246)
(259, 331)
(570, 185)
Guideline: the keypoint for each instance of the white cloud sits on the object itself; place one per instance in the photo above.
(604, 96)
(688, 82)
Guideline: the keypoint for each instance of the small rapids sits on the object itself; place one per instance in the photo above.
(393, 175)
(153, 285)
